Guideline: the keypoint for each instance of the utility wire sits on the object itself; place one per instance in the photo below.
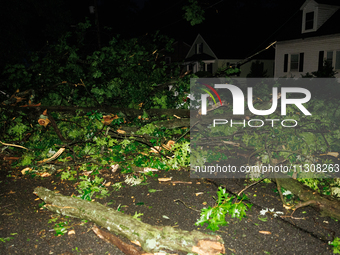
(277, 29)
(249, 58)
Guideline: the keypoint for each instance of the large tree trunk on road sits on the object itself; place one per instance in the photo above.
(151, 238)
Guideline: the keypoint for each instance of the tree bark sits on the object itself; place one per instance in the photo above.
(152, 238)
(328, 206)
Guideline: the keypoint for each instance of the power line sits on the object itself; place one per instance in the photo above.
(277, 29)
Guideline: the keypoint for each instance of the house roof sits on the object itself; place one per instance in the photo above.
(230, 46)
(326, 2)
(330, 2)
(292, 29)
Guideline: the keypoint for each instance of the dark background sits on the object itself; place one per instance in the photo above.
(244, 25)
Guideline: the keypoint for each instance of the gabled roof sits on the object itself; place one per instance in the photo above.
(292, 29)
(206, 56)
(229, 46)
(326, 2)
(329, 2)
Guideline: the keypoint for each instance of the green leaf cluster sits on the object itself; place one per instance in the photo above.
(215, 216)
(193, 13)
(336, 245)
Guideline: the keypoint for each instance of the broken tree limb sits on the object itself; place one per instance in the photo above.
(328, 206)
(152, 238)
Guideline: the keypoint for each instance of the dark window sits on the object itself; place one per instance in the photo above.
(301, 62)
(209, 68)
(191, 67)
(309, 22)
(320, 64)
(329, 58)
(285, 63)
(199, 48)
(294, 62)
(337, 60)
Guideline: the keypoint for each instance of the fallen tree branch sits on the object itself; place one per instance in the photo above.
(328, 206)
(151, 238)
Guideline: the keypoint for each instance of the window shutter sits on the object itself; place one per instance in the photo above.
(320, 65)
(285, 63)
(301, 62)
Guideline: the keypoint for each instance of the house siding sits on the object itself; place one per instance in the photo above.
(310, 47)
(206, 49)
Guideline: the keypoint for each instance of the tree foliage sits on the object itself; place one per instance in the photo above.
(193, 13)
(126, 74)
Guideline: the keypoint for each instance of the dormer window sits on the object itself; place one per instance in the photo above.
(315, 13)
(309, 21)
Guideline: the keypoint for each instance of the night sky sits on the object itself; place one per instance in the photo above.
(29, 25)
(255, 22)
(257, 17)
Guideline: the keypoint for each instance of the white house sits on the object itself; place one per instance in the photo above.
(220, 53)
(312, 37)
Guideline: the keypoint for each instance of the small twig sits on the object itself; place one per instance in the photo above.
(178, 200)
(106, 133)
(294, 218)
(303, 204)
(186, 132)
(6, 205)
(13, 145)
(247, 188)
(56, 129)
